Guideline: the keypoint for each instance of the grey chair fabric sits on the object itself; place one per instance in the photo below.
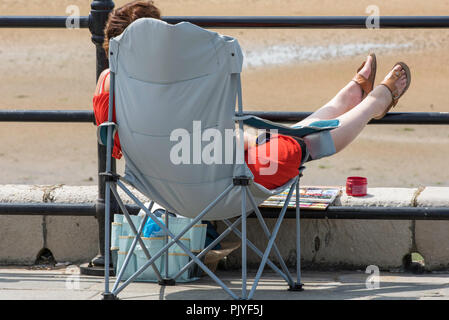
(175, 89)
(167, 77)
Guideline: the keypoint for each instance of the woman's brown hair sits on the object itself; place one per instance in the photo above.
(122, 17)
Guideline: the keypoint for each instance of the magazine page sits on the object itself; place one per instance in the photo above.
(314, 198)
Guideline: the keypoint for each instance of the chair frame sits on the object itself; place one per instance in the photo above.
(112, 180)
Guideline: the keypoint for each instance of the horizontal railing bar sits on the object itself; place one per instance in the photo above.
(332, 212)
(364, 213)
(40, 21)
(418, 118)
(47, 116)
(334, 22)
(54, 209)
(37, 209)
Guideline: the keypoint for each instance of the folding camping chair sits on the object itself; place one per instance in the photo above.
(169, 80)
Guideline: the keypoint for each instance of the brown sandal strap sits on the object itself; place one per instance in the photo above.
(361, 67)
(390, 83)
(366, 85)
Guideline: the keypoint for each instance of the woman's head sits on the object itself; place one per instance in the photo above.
(122, 17)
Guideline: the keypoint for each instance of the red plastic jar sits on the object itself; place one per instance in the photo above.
(356, 186)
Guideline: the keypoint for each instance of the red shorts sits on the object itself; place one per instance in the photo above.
(275, 162)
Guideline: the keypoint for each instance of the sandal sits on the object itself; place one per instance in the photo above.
(367, 85)
(390, 84)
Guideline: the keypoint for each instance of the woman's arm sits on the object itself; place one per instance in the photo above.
(100, 81)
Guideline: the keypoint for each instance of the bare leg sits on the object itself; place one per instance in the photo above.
(346, 99)
(353, 121)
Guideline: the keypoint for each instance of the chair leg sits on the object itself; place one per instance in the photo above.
(289, 279)
(108, 188)
(175, 239)
(136, 232)
(244, 245)
(270, 243)
(109, 296)
(166, 281)
(256, 251)
(131, 249)
(107, 238)
(298, 286)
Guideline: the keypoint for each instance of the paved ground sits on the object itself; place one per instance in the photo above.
(66, 284)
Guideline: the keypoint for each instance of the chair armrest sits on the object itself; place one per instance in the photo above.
(102, 132)
(316, 136)
(299, 131)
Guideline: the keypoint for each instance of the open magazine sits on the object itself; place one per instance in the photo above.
(314, 198)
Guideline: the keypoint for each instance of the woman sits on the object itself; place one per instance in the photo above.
(354, 106)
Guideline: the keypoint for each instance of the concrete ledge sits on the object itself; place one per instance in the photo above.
(87, 194)
(24, 193)
(324, 242)
(381, 197)
(432, 237)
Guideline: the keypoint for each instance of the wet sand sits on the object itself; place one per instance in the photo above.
(300, 71)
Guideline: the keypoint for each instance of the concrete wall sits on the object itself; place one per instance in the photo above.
(327, 243)
(73, 239)
(432, 237)
(324, 243)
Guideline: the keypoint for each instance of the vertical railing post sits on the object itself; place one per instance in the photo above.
(98, 16)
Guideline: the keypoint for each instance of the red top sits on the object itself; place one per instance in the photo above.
(268, 170)
(101, 109)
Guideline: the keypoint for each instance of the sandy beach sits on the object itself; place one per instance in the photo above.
(285, 70)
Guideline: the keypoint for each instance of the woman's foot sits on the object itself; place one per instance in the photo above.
(366, 75)
(397, 82)
(348, 97)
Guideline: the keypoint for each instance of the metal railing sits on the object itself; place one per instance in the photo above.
(240, 22)
(332, 212)
(96, 21)
(415, 118)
